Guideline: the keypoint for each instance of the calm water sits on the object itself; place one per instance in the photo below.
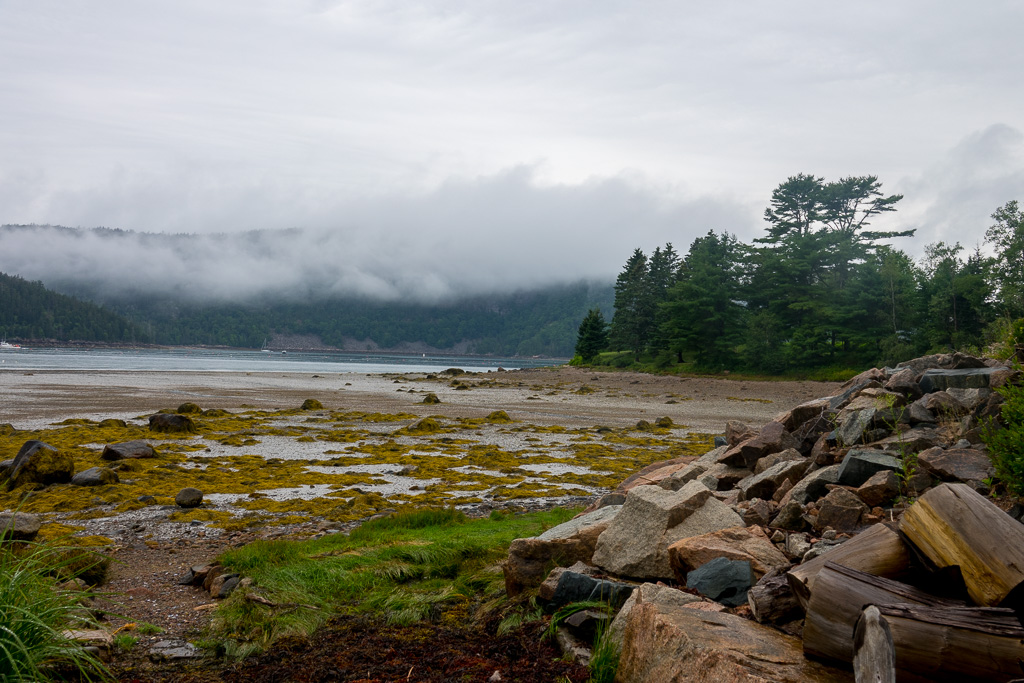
(209, 360)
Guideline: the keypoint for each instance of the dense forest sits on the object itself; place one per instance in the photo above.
(539, 322)
(28, 310)
(819, 289)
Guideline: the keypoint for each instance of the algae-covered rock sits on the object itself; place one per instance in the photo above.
(189, 498)
(6, 429)
(499, 417)
(189, 409)
(431, 399)
(171, 423)
(40, 463)
(95, 476)
(127, 450)
(664, 422)
(427, 425)
(312, 404)
(19, 526)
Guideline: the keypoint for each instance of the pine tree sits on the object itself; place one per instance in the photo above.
(592, 337)
(634, 311)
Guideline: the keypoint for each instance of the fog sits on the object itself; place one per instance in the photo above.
(496, 234)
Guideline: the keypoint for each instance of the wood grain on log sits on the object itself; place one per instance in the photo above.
(953, 525)
(874, 658)
(877, 550)
(840, 595)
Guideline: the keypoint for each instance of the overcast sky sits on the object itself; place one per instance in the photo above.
(523, 141)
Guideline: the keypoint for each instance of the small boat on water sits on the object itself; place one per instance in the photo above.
(265, 349)
(5, 345)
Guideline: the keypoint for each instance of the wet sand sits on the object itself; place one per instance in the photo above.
(570, 397)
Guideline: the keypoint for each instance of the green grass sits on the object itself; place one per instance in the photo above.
(405, 568)
(34, 613)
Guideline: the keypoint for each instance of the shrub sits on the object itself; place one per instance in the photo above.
(1006, 444)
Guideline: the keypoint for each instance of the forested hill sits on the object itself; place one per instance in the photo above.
(539, 322)
(529, 323)
(28, 310)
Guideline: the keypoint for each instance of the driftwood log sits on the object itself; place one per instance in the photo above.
(874, 656)
(840, 596)
(954, 526)
(955, 644)
(877, 550)
(772, 600)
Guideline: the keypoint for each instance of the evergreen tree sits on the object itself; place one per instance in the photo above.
(634, 309)
(592, 337)
(702, 315)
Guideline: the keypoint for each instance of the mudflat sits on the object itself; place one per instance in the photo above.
(570, 397)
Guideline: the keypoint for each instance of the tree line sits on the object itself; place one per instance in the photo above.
(821, 288)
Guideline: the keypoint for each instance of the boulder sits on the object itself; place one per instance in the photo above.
(577, 587)
(942, 404)
(40, 463)
(127, 450)
(970, 398)
(666, 642)
(772, 438)
(813, 486)
(840, 510)
(736, 431)
(911, 441)
(788, 455)
(738, 543)
(880, 488)
(758, 512)
(811, 431)
(803, 413)
(860, 463)
(919, 413)
(636, 542)
(189, 498)
(695, 470)
(970, 378)
(722, 477)
(171, 423)
(791, 517)
(723, 580)
(95, 476)
(763, 485)
(529, 559)
(840, 401)
(647, 592)
(853, 422)
(956, 464)
(905, 382)
(19, 526)
(655, 472)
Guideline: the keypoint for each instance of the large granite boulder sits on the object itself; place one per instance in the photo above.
(737, 543)
(723, 580)
(813, 486)
(127, 450)
(636, 543)
(529, 559)
(647, 592)
(667, 642)
(40, 463)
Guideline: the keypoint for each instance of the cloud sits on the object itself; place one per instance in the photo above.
(490, 234)
(953, 199)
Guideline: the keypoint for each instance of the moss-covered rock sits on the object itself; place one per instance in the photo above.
(38, 462)
(312, 404)
(431, 399)
(189, 409)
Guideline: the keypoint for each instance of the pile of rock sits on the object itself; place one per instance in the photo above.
(744, 530)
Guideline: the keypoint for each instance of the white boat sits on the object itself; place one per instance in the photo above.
(5, 345)
(265, 349)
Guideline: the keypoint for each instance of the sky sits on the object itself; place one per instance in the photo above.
(428, 148)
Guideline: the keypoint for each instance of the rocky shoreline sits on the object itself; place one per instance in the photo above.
(755, 561)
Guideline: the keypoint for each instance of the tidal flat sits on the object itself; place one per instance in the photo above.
(518, 439)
